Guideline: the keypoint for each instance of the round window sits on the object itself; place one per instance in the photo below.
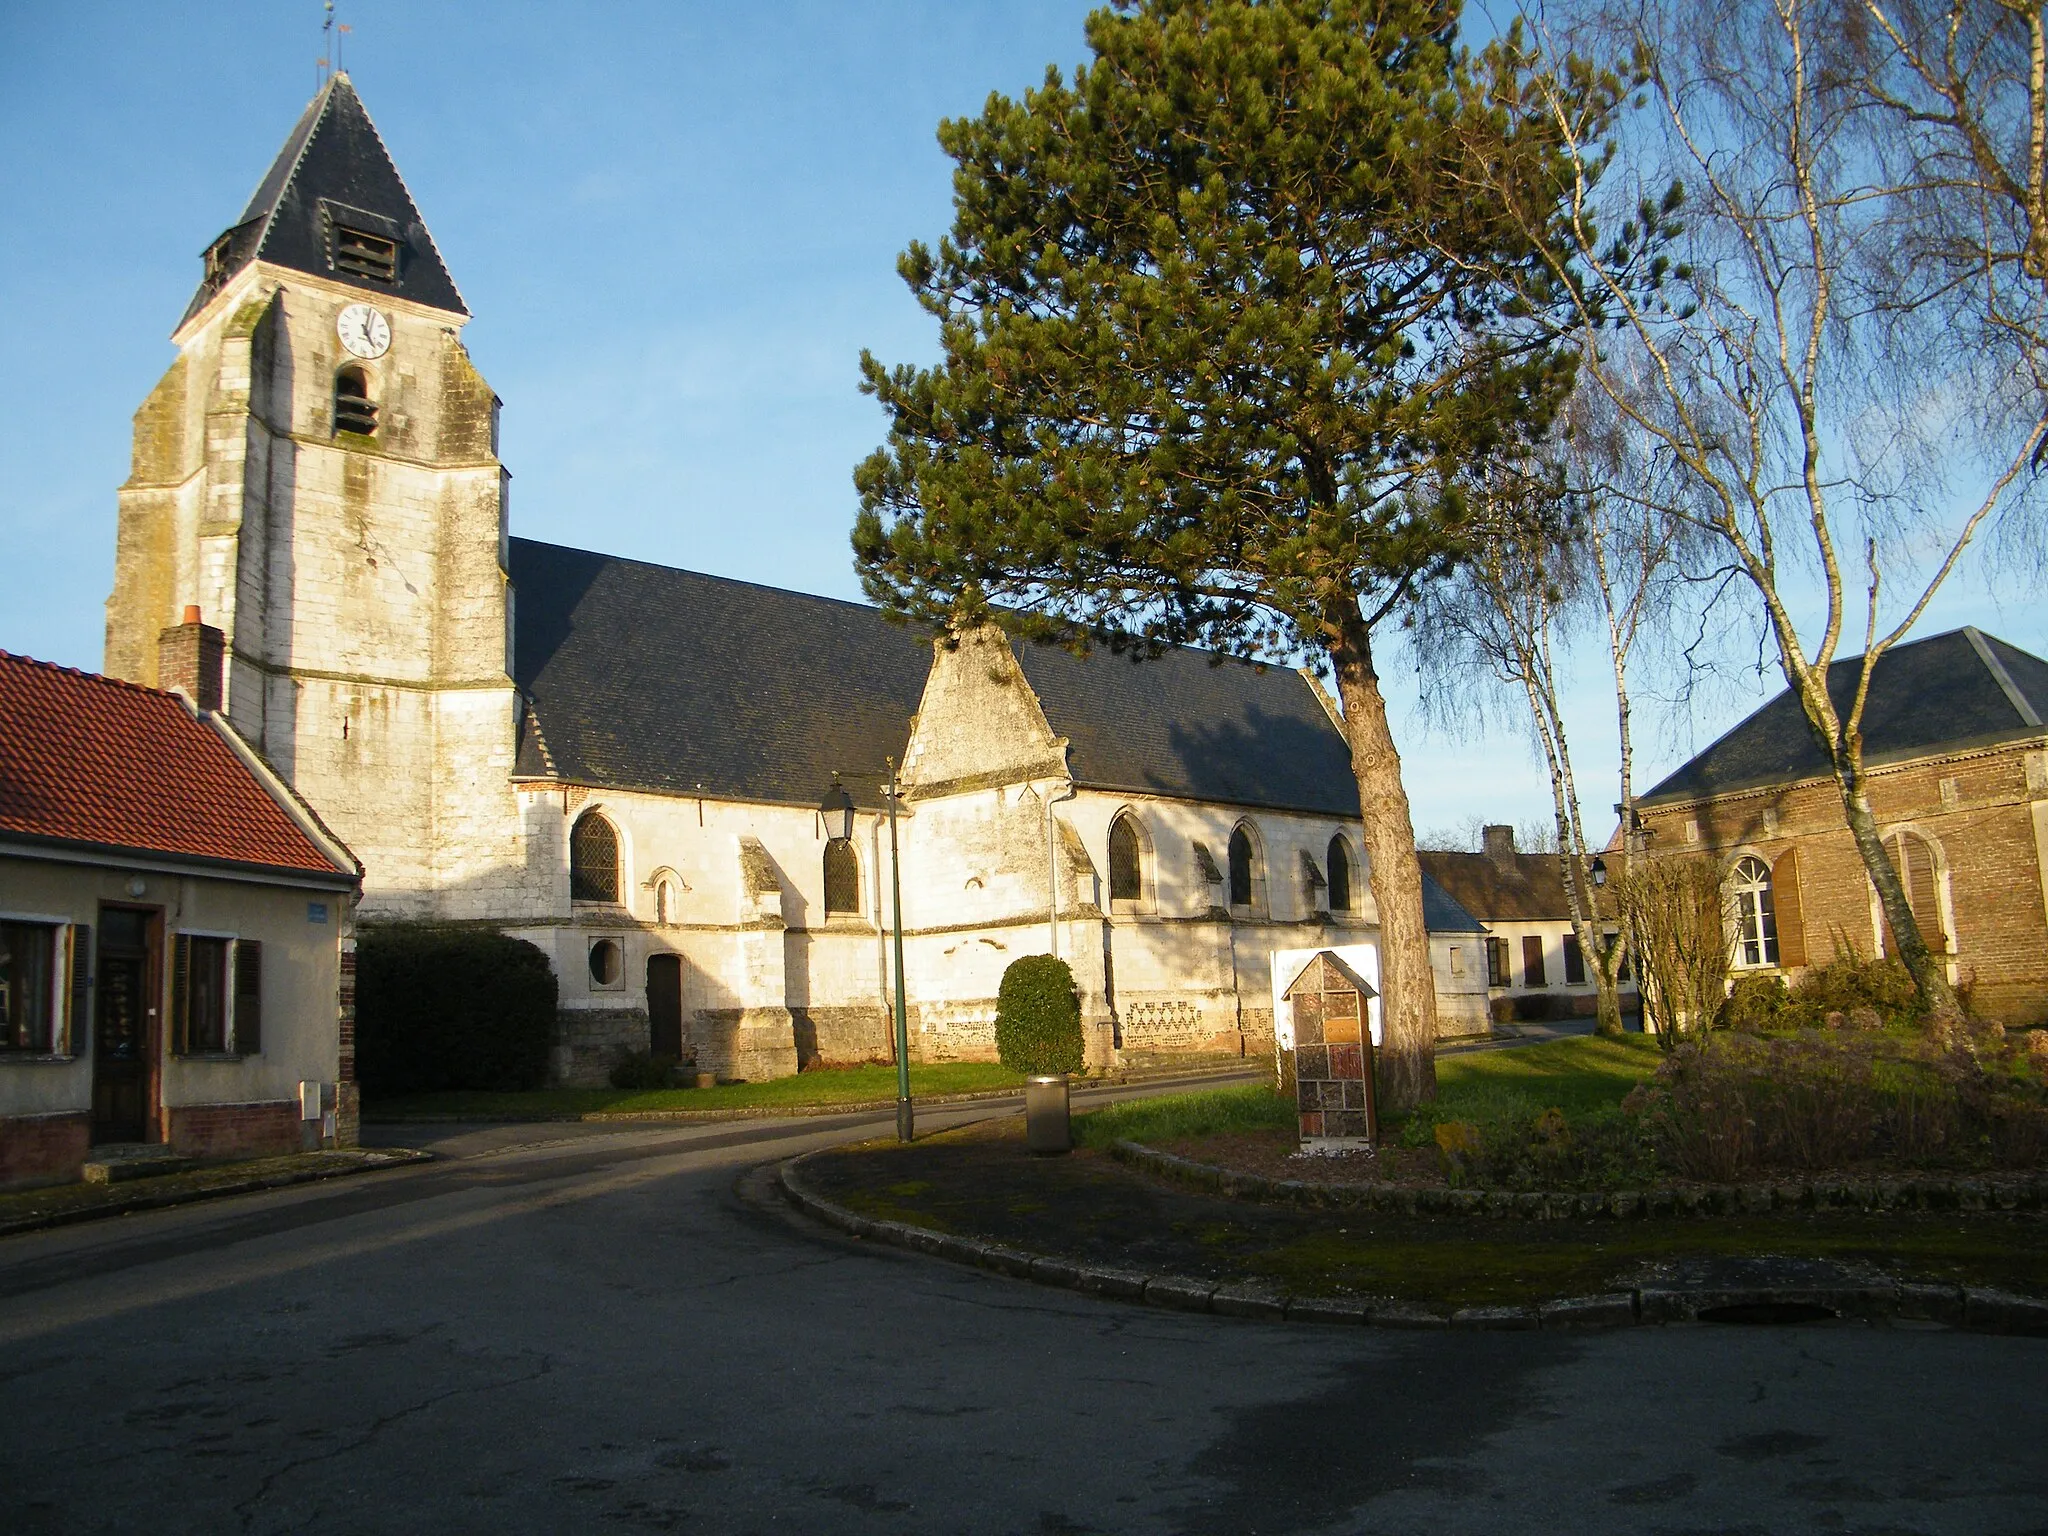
(604, 962)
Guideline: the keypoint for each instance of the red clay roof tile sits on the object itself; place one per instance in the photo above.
(93, 759)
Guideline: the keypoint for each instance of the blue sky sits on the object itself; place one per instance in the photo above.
(676, 226)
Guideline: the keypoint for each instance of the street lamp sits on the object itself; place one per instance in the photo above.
(1598, 872)
(836, 809)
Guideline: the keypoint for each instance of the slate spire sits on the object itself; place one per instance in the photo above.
(333, 204)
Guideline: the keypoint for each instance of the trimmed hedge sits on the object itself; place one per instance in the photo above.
(451, 1008)
(1038, 1017)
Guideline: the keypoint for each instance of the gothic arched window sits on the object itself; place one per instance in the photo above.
(354, 410)
(1242, 855)
(593, 859)
(1756, 922)
(842, 878)
(1340, 874)
(1126, 860)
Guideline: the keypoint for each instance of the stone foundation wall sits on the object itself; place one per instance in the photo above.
(843, 1037)
(750, 1045)
(232, 1130)
(43, 1149)
(589, 1040)
(963, 1031)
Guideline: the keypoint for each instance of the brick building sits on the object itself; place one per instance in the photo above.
(172, 927)
(1955, 745)
(622, 763)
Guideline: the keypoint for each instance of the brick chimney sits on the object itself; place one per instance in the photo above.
(188, 661)
(1498, 844)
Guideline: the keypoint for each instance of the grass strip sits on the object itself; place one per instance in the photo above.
(1579, 1076)
(818, 1088)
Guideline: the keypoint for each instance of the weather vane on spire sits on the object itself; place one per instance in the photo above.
(330, 42)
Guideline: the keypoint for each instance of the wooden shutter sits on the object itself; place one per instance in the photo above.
(1574, 962)
(77, 977)
(1532, 961)
(1791, 918)
(248, 997)
(181, 992)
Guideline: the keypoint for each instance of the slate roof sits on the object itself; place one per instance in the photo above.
(1945, 693)
(1522, 888)
(334, 162)
(645, 677)
(642, 676)
(90, 759)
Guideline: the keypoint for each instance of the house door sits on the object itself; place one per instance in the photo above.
(124, 1032)
(665, 1005)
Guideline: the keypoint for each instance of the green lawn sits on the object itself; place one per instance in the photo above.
(822, 1087)
(1576, 1075)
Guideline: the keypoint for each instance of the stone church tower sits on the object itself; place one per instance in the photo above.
(318, 472)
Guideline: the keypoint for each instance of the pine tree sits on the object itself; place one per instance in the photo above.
(1223, 328)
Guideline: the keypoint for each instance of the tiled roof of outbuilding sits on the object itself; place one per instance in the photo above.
(334, 160)
(646, 677)
(1949, 691)
(1521, 888)
(90, 759)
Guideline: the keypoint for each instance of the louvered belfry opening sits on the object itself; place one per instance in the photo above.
(354, 410)
(593, 859)
(361, 254)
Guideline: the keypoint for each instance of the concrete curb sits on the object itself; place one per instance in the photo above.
(1974, 1309)
(793, 1111)
(2018, 1193)
(140, 1197)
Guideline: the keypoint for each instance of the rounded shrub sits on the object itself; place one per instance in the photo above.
(440, 1008)
(1038, 1016)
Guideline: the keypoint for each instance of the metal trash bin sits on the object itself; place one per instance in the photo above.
(1047, 1126)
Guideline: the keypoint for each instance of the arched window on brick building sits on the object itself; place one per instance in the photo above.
(1919, 867)
(1756, 918)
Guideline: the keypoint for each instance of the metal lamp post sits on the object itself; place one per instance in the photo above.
(837, 811)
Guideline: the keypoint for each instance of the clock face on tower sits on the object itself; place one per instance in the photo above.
(363, 330)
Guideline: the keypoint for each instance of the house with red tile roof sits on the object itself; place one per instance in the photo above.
(174, 926)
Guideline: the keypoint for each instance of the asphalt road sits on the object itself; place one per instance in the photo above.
(571, 1328)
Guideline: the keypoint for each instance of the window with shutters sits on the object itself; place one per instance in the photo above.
(1756, 918)
(1243, 869)
(1343, 889)
(1126, 863)
(199, 994)
(842, 878)
(1919, 867)
(1574, 962)
(1532, 961)
(28, 987)
(1497, 964)
(593, 859)
(247, 1024)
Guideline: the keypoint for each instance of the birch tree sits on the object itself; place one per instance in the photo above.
(1754, 374)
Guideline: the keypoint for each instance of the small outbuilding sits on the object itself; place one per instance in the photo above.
(174, 928)
(1333, 1058)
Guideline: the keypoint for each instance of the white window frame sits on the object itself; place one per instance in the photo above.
(63, 941)
(1747, 908)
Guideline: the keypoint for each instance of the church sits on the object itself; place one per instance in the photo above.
(624, 763)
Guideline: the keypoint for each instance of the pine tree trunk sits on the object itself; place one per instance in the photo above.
(1407, 1054)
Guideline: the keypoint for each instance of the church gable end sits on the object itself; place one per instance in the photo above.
(980, 723)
